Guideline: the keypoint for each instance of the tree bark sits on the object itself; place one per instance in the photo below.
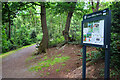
(9, 21)
(44, 43)
(67, 25)
(97, 6)
(93, 6)
(9, 34)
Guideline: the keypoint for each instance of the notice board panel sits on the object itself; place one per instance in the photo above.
(93, 32)
(95, 29)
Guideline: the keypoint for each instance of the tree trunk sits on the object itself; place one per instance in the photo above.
(93, 6)
(97, 6)
(9, 21)
(9, 34)
(44, 43)
(67, 25)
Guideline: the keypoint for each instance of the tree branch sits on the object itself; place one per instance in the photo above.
(36, 3)
(92, 6)
(97, 6)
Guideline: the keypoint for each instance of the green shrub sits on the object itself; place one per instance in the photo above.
(115, 36)
(39, 36)
(21, 37)
(33, 36)
(56, 41)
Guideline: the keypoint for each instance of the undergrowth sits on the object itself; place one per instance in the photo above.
(49, 62)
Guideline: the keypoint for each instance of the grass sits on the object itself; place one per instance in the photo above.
(49, 62)
(39, 36)
(47, 73)
(59, 55)
(45, 57)
(30, 58)
(13, 51)
(67, 70)
(57, 70)
(41, 74)
(63, 64)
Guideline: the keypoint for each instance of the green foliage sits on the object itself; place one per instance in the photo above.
(59, 55)
(93, 55)
(12, 9)
(30, 58)
(61, 7)
(5, 45)
(115, 61)
(39, 36)
(56, 41)
(45, 57)
(33, 35)
(20, 38)
(63, 64)
(115, 37)
(114, 73)
(13, 51)
(49, 62)
(24, 27)
(48, 73)
(56, 22)
(115, 17)
(57, 70)
(115, 43)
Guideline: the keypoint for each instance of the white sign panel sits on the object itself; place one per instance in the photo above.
(93, 32)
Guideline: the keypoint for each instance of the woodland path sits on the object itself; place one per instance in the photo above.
(13, 66)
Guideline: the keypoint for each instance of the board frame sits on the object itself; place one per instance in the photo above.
(107, 24)
(106, 46)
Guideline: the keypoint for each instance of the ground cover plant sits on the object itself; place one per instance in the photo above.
(49, 62)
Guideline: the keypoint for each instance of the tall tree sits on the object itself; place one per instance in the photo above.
(69, 8)
(44, 43)
(68, 21)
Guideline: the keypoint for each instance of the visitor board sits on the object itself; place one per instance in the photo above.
(93, 32)
(95, 28)
(96, 32)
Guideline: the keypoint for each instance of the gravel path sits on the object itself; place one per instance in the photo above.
(14, 65)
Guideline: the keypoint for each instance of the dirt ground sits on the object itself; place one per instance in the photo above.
(16, 66)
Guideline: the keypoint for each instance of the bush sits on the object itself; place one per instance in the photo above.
(33, 35)
(20, 38)
(56, 41)
(115, 43)
(39, 36)
(115, 36)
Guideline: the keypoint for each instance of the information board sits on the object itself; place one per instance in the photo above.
(93, 32)
(96, 33)
(96, 28)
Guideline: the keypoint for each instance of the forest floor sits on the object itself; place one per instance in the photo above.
(18, 65)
